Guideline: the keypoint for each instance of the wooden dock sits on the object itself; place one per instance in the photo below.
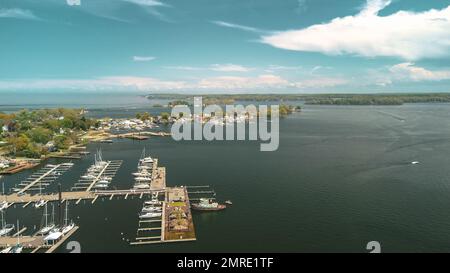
(19, 168)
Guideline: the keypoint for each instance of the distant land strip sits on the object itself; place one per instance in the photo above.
(314, 99)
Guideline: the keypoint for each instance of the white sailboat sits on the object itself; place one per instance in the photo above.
(41, 202)
(6, 228)
(18, 247)
(47, 227)
(6, 250)
(67, 226)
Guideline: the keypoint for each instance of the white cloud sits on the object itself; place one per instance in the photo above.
(404, 34)
(186, 68)
(73, 2)
(230, 82)
(214, 67)
(411, 72)
(143, 58)
(236, 26)
(18, 14)
(113, 83)
(283, 67)
(146, 3)
(320, 82)
(229, 68)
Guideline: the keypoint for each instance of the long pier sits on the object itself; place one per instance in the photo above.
(72, 196)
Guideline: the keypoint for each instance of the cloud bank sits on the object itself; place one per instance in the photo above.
(143, 58)
(407, 35)
(263, 82)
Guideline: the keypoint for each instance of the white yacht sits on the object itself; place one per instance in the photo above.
(152, 202)
(143, 173)
(143, 179)
(101, 186)
(146, 215)
(141, 186)
(88, 177)
(151, 209)
(53, 236)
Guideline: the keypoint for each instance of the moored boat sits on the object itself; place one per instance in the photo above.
(206, 204)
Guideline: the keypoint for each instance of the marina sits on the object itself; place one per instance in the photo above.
(166, 211)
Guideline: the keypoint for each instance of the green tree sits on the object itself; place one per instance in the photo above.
(40, 135)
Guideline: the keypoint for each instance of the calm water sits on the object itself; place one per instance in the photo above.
(342, 177)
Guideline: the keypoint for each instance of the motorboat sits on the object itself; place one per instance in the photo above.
(143, 179)
(146, 215)
(100, 186)
(88, 177)
(152, 202)
(151, 209)
(143, 173)
(141, 186)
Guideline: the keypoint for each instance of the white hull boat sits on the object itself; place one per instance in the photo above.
(148, 215)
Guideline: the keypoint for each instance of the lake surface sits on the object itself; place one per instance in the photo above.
(341, 177)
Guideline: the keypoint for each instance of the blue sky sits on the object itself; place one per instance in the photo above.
(225, 46)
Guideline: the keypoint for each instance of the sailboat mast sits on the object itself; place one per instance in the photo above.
(46, 214)
(53, 214)
(67, 211)
(60, 206)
